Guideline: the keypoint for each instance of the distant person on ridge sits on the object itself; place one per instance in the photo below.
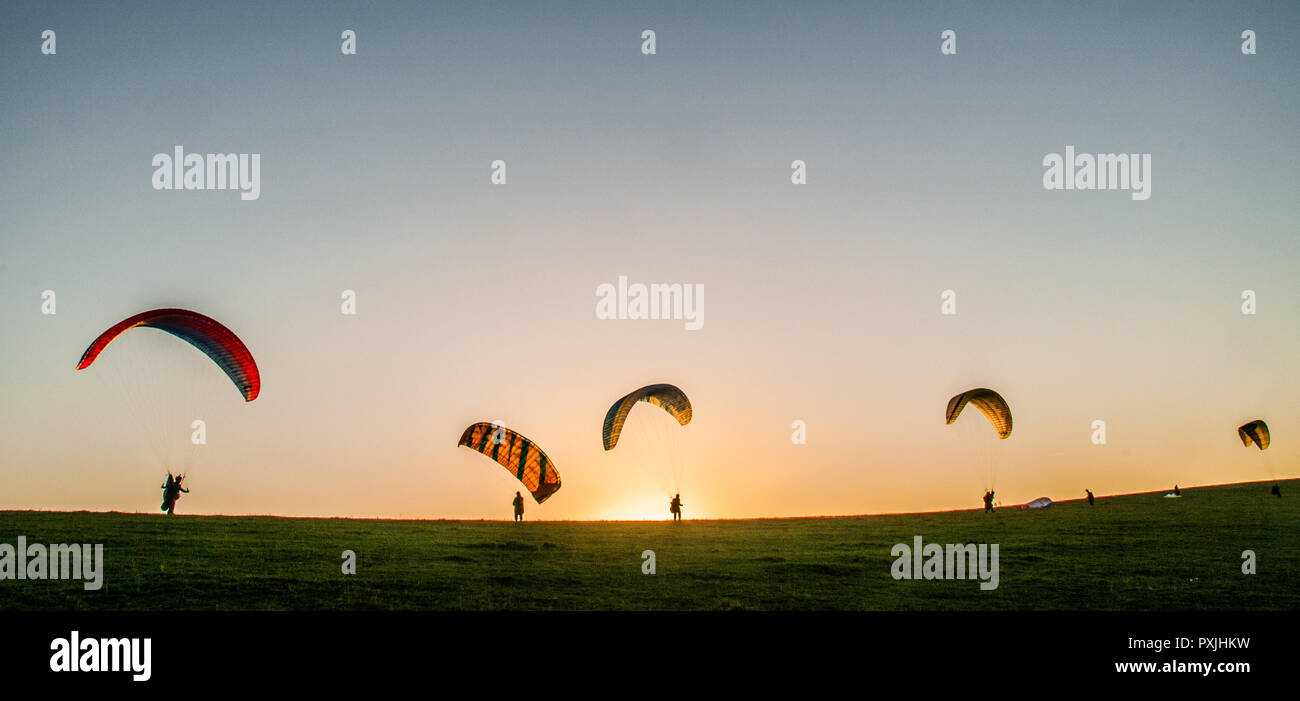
(1277, 491)
(675, 506)
(1090, 497)
(519, 507)
(172, 490)
(1177, 492)
(988, 501)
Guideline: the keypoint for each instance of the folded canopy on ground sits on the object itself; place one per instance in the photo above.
(520, 456)
(208, 335)
(1039, 503)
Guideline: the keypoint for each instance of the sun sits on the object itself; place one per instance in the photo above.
(641, 508)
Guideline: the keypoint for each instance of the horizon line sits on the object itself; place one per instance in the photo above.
(665, 520)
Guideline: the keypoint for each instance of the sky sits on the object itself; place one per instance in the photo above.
(476, 302)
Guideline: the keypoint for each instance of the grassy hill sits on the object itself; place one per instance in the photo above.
(1131, 552)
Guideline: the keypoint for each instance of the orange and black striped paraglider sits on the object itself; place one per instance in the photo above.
(520, 456)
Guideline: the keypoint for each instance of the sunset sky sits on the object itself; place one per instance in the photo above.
(477, 302)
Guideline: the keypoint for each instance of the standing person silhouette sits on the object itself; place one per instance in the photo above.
(988, 501)
(1090, 498)
(675, 506)
(519, 507)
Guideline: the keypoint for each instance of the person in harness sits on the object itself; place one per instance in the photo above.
(172, 490)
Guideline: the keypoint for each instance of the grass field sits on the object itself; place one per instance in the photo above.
(1133, 552)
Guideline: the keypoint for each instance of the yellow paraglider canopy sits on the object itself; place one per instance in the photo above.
(666, 397)
(1254, 432)
(986, 400)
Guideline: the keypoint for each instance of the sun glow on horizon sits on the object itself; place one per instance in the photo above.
(645, 507)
